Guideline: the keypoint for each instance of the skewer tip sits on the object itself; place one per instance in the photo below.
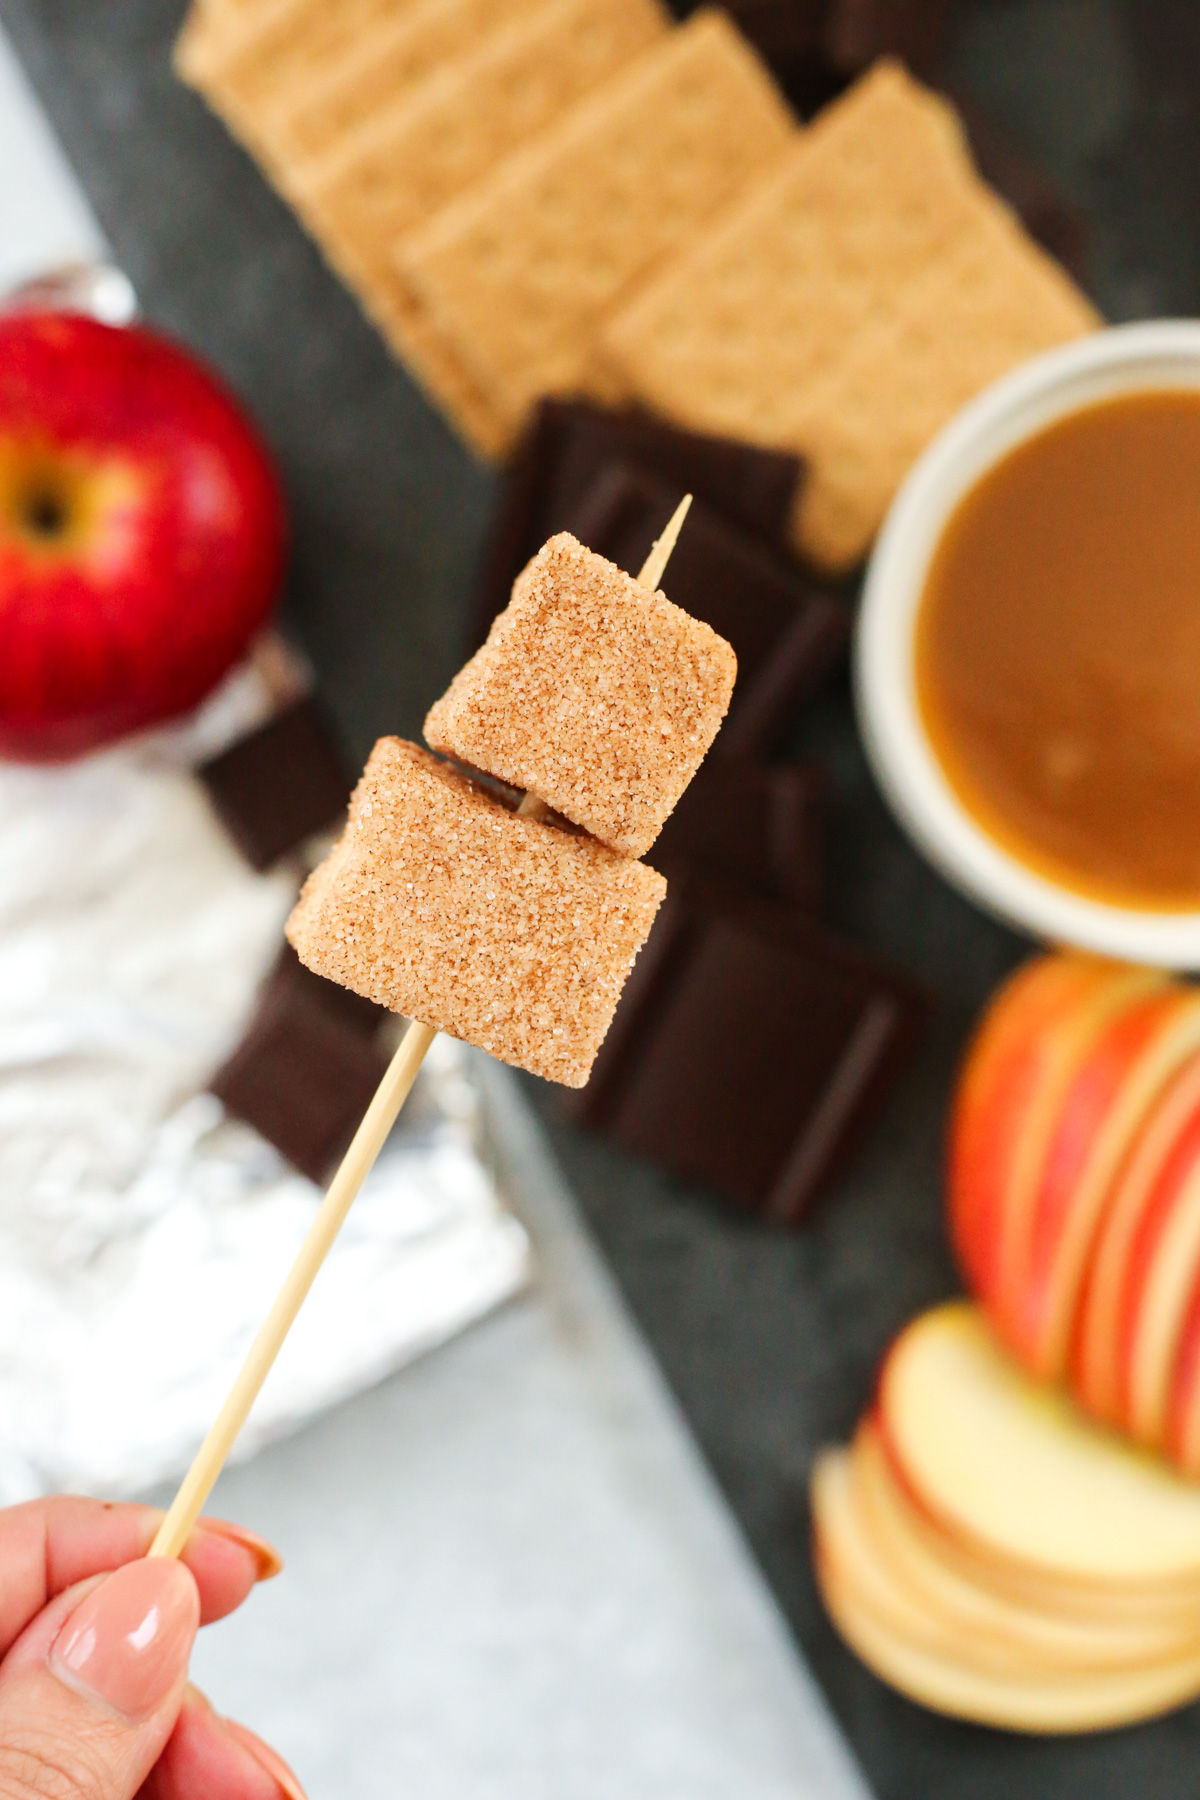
(651, 572)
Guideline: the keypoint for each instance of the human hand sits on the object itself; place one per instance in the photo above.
(94, 1696)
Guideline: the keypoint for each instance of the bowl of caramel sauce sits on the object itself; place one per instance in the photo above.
(1027, 660)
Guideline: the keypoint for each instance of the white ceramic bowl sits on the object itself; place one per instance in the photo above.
(1162, 354)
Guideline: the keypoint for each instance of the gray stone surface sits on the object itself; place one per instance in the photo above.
(768, 1340)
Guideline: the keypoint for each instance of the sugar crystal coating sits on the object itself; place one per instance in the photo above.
(591, 692)
(441, 904)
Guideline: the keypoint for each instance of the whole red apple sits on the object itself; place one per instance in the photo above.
(142, 533)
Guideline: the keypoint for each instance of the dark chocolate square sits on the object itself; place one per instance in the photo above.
(571, 441)
(280, 784)
(749, 1049)
(788, 636)
(754, 826)
(310, 989)
(304, 1072)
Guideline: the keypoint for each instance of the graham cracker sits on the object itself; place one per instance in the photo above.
(847, 306)
(234, 67)
(244, 60)
(406, 162)
(520, 271)
(383, 66)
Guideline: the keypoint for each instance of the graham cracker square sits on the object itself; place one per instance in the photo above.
(874, 235)
(520, 271)
(383, 66)
(414, 155)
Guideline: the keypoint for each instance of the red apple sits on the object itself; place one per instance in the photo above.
(142, 532)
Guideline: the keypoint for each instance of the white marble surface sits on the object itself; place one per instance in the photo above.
(510, 1576)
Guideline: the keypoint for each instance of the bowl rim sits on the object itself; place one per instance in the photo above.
(1163, 353)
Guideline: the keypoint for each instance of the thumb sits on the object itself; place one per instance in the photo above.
(90, 1692)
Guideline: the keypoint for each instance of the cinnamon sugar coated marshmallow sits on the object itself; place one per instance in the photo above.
(591, 692)
(443, 905)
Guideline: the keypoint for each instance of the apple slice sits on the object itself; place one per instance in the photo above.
(1157, 1162)
(1049, 1248)
(1015, 1469)
(1006, 1066)
(1003, 1628)
(1016, 1069)
(933, 1665)
(1183, 1410)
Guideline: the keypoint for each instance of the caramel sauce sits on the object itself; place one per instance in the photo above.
(1058, 651)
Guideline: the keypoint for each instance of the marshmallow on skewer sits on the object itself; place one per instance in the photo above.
(593, 692)
(447, 907)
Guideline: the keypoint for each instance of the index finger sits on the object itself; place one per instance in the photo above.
(47, 1546)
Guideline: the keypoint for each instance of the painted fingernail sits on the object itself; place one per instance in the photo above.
(267, 1759)
(265, 1555)
(128, 1641)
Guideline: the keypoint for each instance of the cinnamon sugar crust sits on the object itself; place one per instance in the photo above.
(443, 905)
(592, 692)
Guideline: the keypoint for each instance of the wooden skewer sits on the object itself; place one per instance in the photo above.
(651, 571)
(368, 1141)
(356, 1165)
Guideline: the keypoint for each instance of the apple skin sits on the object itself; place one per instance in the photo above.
(1011, 1061)
(1128, 1328)
(1103, 1112)
(1035, 1081)
(142, 533)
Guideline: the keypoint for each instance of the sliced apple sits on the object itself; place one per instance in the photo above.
(1049, 1249)
(1007, 1065)
(1183, 1412)
(1013, 1468)
(1017, 1068)
(1001, 1626)
(1164, 1277)
(932, 1663)
(1148, 1179)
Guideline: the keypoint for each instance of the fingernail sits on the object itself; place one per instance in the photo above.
(266, 1759)
(194, 1696)
(127, 1643)
(265, 1555)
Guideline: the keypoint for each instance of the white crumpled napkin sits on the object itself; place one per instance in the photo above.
(143, 1234)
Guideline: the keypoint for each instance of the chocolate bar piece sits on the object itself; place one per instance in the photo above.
(858, 31)
(755, 826)
(749, 1048)
(306, 1068)
(570, 442)
(280, 784)
(788, 636)
(815, 47)
(352, 1010)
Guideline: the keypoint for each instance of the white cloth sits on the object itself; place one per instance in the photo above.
(143, 1234)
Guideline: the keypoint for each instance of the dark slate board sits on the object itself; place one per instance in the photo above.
(769, 1339)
